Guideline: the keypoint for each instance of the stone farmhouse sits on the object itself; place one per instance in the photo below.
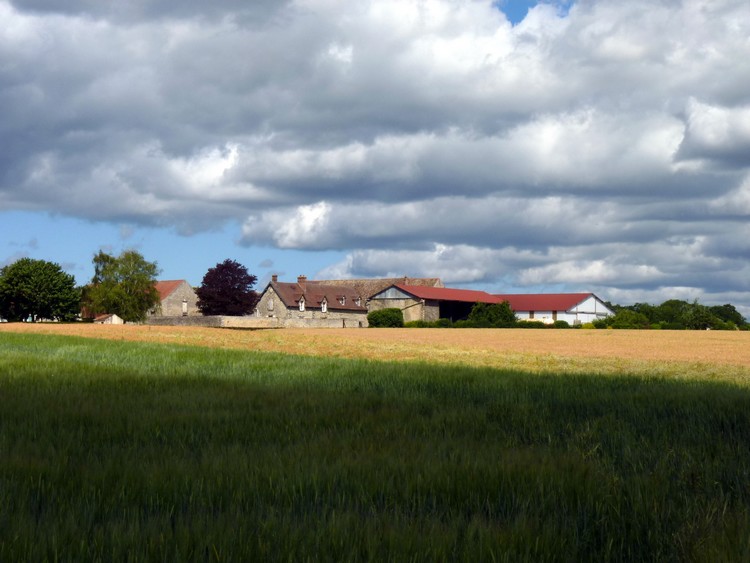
(311, 304)
(433, 303)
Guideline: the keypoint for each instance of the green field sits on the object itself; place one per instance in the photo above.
(138, 452)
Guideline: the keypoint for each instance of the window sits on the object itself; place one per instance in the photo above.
(269, 305)
(342, 300)
(358, 302)
(301, 303)
(324, 305)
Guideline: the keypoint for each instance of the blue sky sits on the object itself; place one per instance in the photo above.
(509, 146)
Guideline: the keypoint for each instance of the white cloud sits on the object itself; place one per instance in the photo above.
(607, 145)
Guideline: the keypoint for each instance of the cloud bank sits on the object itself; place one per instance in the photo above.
(602, 145)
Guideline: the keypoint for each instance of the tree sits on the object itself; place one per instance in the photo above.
(123, 285)
(36, 289)
(729, 314)
(492, 315)
(227, 289)
(626, 318)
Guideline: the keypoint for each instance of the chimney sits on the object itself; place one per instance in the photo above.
(274, 278)
(301, 280)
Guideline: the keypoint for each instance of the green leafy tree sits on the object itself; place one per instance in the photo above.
(227, 289)
(699, 317)
(123, 285)
(36, 289)
(386, 318)
(492, 315)
(626, 318)
(729, 314)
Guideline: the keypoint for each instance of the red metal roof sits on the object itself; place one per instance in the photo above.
(518, 302)
(544, 301)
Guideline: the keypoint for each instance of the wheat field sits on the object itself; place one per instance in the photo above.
(713, 355)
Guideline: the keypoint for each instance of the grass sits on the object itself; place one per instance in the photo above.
(133, 451)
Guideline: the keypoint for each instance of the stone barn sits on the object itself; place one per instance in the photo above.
(177, 299)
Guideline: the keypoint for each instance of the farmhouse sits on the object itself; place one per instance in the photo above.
(312, 304)
(433, 303)
(177, 299)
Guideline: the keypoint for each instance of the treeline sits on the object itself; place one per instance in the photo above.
(674, 314)
(38, 290)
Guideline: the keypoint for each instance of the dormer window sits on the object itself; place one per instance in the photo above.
(301, 303)
(342, 300)
(358, 301)
(324, 305)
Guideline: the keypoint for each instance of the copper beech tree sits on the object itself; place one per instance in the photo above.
(227, 289)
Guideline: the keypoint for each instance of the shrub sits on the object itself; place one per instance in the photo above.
(531, 324)
(588, 326)
(561, 324)
(386, 318)
(486, 315)
(440, 323)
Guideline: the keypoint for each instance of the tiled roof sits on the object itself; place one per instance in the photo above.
(544, 301)
(339, 298)
(166, 287)
(366, 288)
(449, 294)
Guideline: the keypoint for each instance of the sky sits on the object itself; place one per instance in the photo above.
(510, 146)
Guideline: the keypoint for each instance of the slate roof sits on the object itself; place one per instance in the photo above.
(314, 292)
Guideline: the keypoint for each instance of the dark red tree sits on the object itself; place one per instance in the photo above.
(227, 289)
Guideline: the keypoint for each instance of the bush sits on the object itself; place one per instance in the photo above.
(386, 318)
(440, 323)
(531, 324)
(561, 324)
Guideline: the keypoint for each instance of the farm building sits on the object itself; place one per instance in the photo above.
(420, 303)
(574, 308)
(177, 299)
(312, 304)
(432, 303)
(108, 319)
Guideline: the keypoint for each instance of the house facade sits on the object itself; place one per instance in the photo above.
(177, 299)
(311, 304)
